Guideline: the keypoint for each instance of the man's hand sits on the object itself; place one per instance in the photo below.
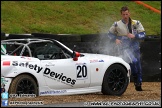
(118, 42)
(130, 35)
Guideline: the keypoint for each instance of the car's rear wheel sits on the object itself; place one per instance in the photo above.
(23, 84)
(115, 80)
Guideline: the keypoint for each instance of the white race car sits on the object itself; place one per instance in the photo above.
(47, 67)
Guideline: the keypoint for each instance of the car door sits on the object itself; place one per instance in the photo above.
(65, 73)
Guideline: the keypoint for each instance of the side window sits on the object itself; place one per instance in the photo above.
(44, 50)
(37, 50)
(52, 51)
(48, 51)
(13, 49)
(55, 52)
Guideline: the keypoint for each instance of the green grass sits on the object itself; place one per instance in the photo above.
(73, 17)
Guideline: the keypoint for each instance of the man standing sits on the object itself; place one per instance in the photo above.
(126, 33)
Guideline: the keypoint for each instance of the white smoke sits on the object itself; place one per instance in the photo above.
(106, 46)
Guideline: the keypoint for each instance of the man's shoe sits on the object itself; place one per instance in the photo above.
(138, 88)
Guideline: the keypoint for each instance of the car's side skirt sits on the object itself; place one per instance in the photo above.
(44, 91)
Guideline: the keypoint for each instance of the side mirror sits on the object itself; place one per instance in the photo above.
(76, 55)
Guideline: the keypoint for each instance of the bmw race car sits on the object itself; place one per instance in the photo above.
(48, 67)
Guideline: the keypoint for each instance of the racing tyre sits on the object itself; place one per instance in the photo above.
(23, 84)
(115, 80)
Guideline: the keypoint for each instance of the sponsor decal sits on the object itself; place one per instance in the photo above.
(80, 63)
(59, 77)
(24, 57)
(3, 80)
(81, 71)
(47, 72)
(54, 92)
(3, 48)
(6, 63)
(27, 65)
(50, 64)
(93, 61)
(101, 60)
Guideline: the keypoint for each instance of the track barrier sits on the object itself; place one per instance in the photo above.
(100, 44)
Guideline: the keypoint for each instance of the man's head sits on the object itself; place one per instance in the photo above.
(125, 13)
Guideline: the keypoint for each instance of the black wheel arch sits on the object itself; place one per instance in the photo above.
(115, 64)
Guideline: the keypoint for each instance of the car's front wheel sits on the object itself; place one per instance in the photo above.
(23, 84)
(115, 80)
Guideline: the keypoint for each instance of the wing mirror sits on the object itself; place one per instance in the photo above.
(75, 54)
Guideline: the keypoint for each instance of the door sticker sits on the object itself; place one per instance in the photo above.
(81, 70)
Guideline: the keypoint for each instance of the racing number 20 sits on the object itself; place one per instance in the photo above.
(81, 71)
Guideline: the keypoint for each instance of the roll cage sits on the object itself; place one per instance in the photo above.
(40, 48)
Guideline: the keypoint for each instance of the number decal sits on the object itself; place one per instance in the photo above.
(81, 71)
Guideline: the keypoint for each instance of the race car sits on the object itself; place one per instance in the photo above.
(48, 67)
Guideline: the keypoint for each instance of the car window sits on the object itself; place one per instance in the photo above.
(47, 51)
(13, 49)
